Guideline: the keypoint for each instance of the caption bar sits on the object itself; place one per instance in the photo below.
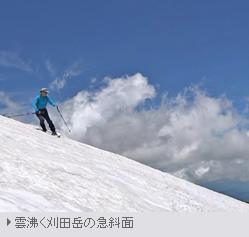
(21, 222)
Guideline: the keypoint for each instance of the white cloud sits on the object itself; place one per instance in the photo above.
(58, 83)
(7, 102)
(10, 108)
(60, 80)
(51, 68)
(89, 109)
(12, 60)
(193, 136)
(93, 80)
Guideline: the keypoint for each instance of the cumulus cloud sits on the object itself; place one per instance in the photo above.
(193, 136)
(12, 60)
(60, 80)
(96, 108)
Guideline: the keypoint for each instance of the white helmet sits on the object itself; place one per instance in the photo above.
(44, 90)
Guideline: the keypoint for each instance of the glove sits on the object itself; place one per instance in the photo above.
(38, 112)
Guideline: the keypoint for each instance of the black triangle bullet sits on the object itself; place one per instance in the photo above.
(8, 221)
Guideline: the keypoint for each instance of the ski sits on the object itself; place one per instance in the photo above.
(49, 132)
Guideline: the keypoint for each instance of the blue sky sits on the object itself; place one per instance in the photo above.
(173, 43)
(137, 69)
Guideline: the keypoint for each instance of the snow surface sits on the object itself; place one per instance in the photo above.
(43, 173)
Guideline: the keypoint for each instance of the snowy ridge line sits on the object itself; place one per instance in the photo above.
(40, 173)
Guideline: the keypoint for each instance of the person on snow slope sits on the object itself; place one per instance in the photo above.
(41, 112)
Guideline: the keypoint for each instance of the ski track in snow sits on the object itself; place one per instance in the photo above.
(41, 173)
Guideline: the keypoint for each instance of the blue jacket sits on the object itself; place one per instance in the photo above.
(40, 102)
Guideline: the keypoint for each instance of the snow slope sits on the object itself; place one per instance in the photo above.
(39, 172)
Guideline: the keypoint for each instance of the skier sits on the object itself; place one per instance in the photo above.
(41, 112)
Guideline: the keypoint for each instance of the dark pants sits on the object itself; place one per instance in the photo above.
(44, 116)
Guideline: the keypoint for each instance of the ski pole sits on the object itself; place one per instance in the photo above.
(17, 115)
(62, 118)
